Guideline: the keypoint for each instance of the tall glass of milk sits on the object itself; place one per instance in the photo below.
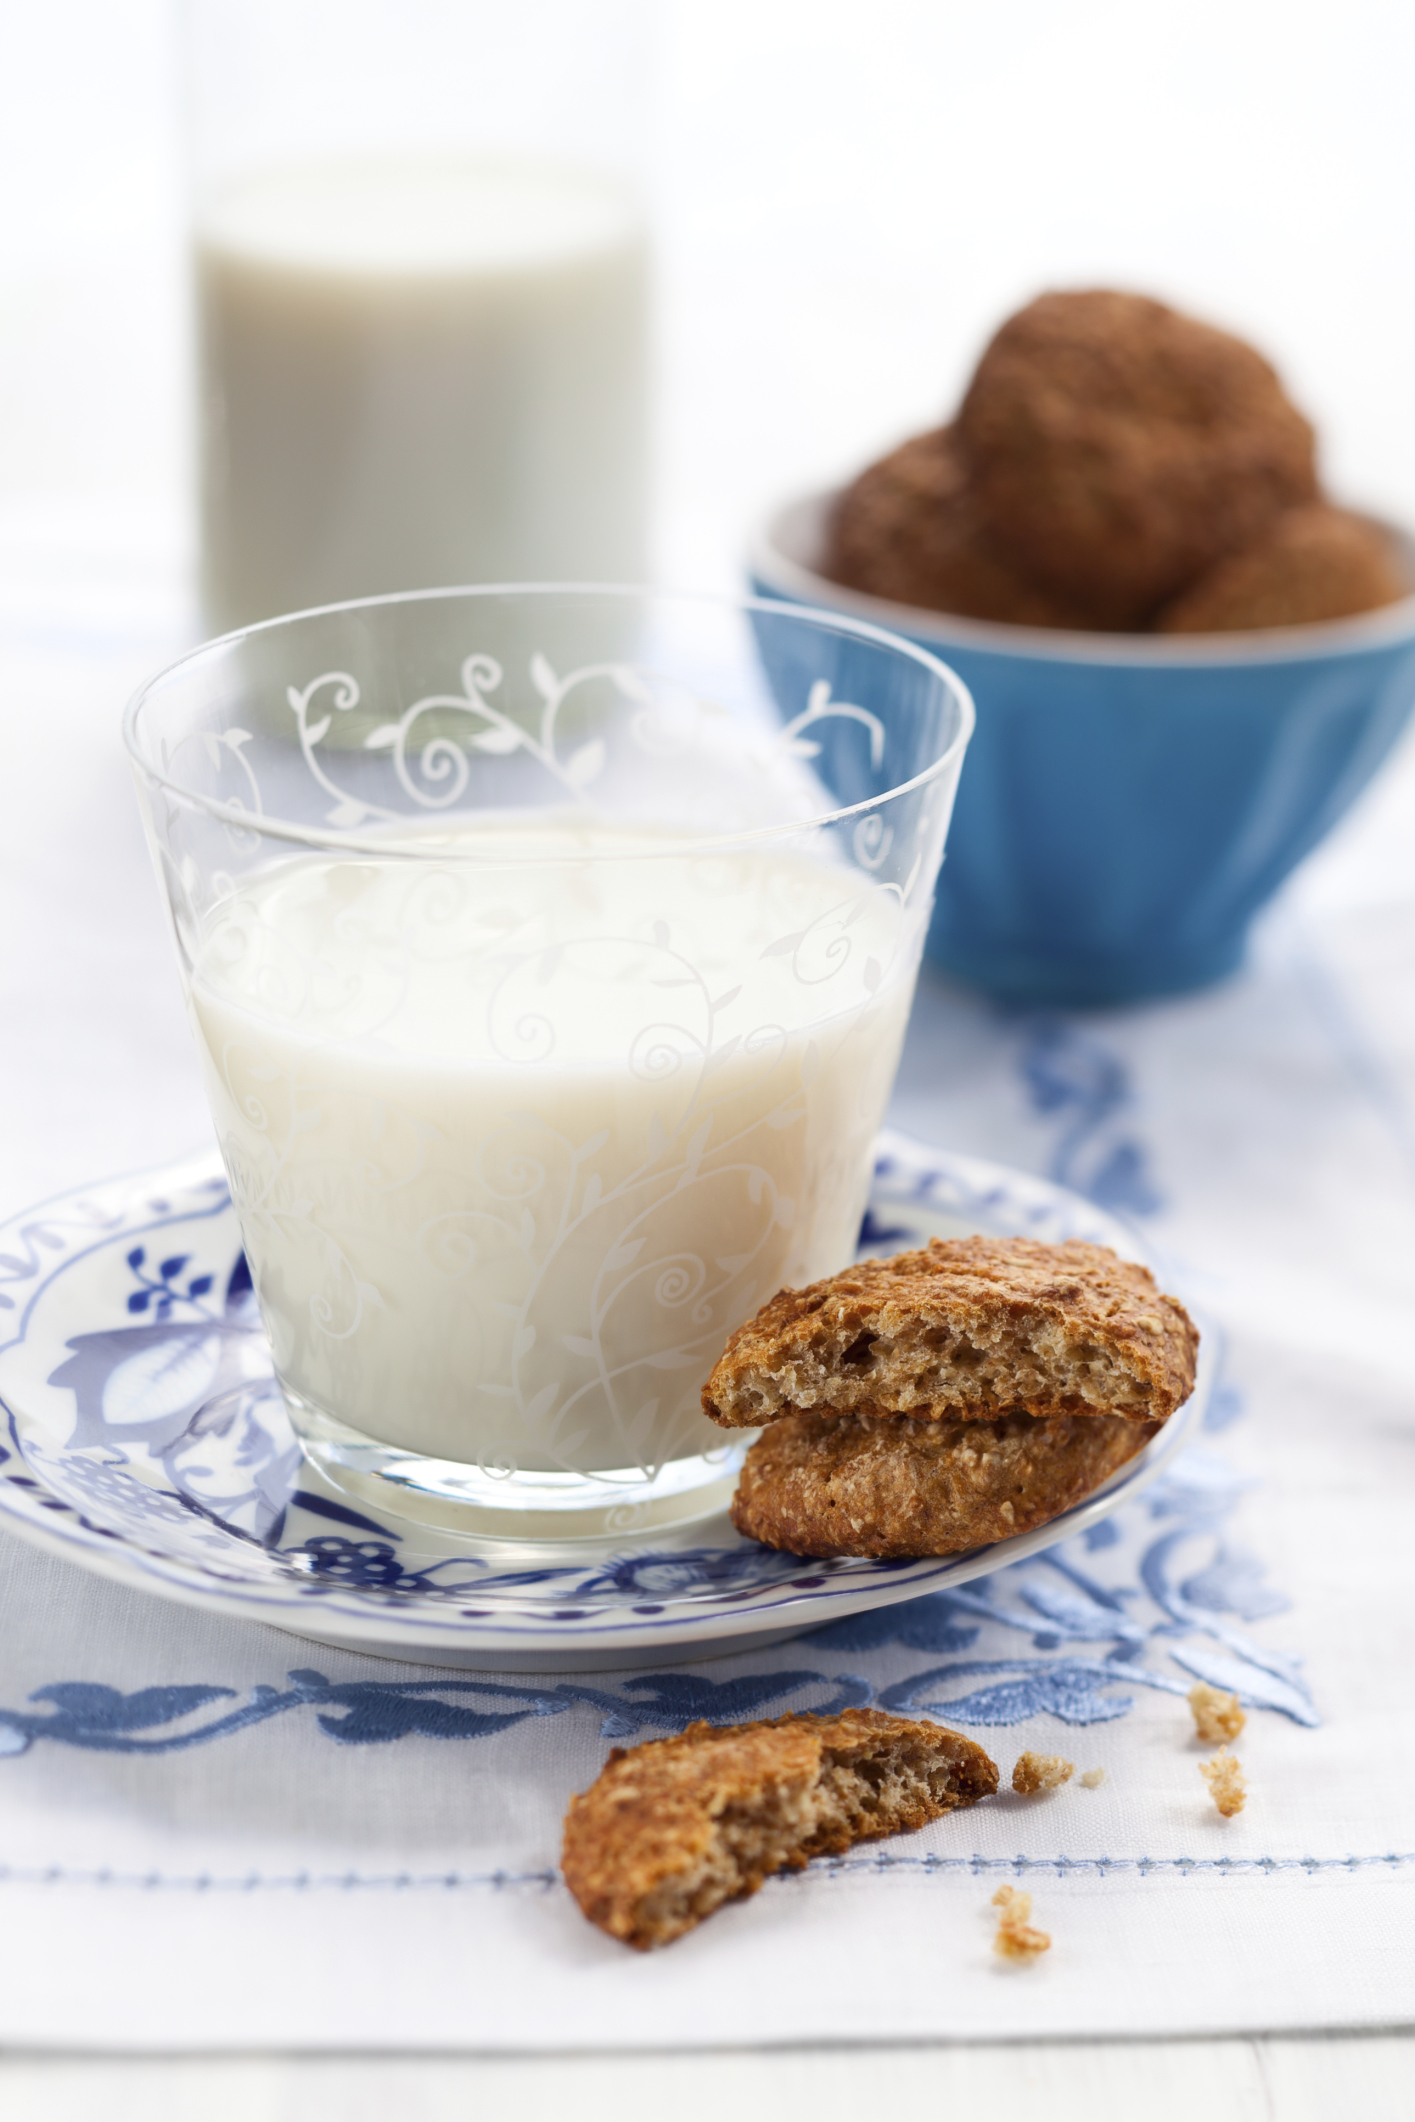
(548, 999)
(421, 280)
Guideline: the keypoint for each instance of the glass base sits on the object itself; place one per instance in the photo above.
(540, 1508)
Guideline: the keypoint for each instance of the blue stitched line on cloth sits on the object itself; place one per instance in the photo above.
(307, 1882)
(1143, 1866)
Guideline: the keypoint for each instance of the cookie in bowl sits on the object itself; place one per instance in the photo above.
(1187, 658)
(1110, 454)
(1118, 448)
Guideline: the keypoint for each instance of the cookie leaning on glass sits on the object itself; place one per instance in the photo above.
(926, 1404)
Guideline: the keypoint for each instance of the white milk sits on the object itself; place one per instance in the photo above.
(514, 1149)
(415, 374)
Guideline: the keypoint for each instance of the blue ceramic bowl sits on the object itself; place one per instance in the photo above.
(1128, 802)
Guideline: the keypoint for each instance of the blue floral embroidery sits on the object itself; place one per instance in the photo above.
(1059, 1605)
(1224, 1408)
(374, 1712)
(1233, 1584)
(1071, 1689)
(673, 1701)
(1050, 1598)
(1069, 1073)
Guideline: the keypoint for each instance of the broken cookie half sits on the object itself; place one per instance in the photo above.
(673, 1829)
(947, 1398)
(968, 1326)
(895, 1488)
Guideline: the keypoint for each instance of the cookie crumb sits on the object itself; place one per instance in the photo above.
(1016, 1939)
(1092, 1779)
(1224, 1776)
(1217, 1715)
(1036, 1772)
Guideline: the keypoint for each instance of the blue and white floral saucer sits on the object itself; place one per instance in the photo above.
(145, 1438)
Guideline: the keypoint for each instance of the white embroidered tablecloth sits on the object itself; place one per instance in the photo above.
(213, 1834)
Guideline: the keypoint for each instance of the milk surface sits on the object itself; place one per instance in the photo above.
(416, 373)
(516, 1142)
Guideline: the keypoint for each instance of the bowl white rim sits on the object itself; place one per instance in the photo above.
(794, 527)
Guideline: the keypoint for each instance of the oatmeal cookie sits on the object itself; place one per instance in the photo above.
(821, 1484)
(970, 1326)
(1117, 449)
(1314, 563)
(907, 529)
(673, 1829)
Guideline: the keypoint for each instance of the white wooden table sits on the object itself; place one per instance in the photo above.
(1250, 2080)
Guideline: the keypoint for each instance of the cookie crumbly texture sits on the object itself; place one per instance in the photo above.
(674, 1828)
(969, 1326)
(1117, 448)
(1091, 1778)
(1314, 564)
(907, 529)
(889, 1486)
(1038, 1772)
(1224, 1776)
(1016, 1939)
(1217, 1714)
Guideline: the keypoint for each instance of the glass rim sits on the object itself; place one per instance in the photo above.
(289, 830)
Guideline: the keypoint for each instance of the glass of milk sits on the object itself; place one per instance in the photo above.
(421, 283)
(548, 953)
